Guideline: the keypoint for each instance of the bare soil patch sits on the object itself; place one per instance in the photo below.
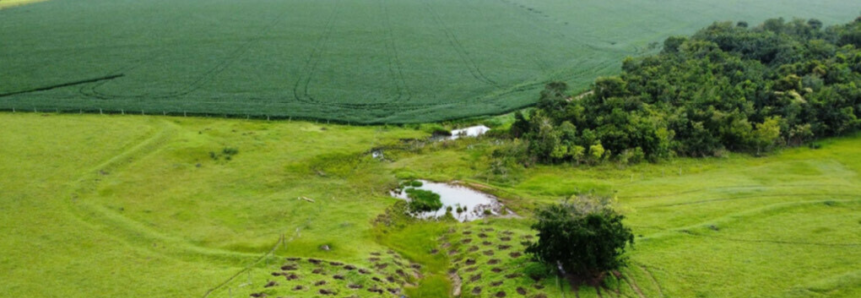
(521, 291)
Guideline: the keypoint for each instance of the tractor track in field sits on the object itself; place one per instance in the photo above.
(301, 89)
(746, 214)
(201, 80)
(535, 54)
(63, 85)
(754, 187)
(458, 47)
(125, 229)
(396, 68)
(314, 59)
(777, 242)
(531, 14)
(753, 196)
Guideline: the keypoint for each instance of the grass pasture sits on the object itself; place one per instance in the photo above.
(786, 225)
(358, 61)
(154, 202)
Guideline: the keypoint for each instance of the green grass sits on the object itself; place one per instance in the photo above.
(138, 200)
(358, 61)
(785, 225)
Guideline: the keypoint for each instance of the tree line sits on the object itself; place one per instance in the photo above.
(729, 87)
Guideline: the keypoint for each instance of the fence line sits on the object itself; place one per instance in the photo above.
(265, 256)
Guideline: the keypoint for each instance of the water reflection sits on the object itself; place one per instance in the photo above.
(473, 204)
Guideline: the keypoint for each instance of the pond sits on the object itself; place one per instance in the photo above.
(455, 196)
(472, 131)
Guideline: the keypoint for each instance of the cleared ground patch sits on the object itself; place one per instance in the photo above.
(359, 61)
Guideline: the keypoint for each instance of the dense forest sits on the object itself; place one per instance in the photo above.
(729, 87)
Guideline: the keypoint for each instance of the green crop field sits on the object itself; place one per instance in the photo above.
(151, 206)
(358, 61)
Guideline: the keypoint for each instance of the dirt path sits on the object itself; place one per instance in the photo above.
(456, 284)
(581, 95)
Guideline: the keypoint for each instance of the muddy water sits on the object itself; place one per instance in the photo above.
(453, 195)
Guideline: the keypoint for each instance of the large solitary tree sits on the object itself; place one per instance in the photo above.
(583, 239)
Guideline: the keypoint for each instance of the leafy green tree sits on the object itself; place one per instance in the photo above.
(725, 88)
(578, 153)
(596, 152)
(766, 134)
(585, 241)
(607, 87)
(814, 24)
(672, 44)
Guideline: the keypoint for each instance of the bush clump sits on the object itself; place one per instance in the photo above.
(227, 153)
(423, 200)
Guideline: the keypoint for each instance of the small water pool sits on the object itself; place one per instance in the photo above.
(452, 195)
(471, 132)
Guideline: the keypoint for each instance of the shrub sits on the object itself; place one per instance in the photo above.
(423, 200)
(230, 151)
